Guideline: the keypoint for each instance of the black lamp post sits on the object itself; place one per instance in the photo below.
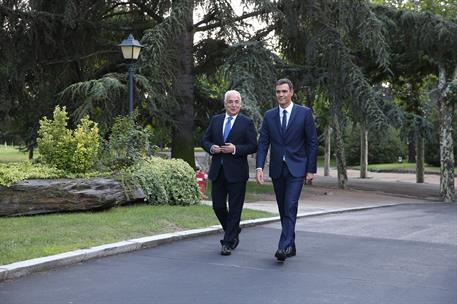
(130, 50)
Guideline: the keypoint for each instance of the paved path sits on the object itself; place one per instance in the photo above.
(401, 254)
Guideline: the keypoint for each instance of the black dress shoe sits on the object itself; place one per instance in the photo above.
(280, 255)
(226, 250)
(235, 243)
(290, 252)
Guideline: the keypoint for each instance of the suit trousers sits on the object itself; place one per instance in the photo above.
(287, 190)
(229, 218)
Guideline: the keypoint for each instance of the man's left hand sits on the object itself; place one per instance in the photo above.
(228, 148)
(309, 178)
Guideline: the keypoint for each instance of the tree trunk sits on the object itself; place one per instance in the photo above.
(327, 152)
(63, 195)
(339, 150)
(182, 143)
(30, 150)
(420, 147)
(446, 110)
(411, 147)
(363, 150)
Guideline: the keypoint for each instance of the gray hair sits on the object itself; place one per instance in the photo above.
(228, 93)
(285, 81)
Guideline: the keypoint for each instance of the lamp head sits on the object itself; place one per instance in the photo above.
(130, 48)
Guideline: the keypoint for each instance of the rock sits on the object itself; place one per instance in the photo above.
(61, 195)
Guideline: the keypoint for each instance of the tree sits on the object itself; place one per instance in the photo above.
(322, 36)
(168, 61)
(56, 44)
(427, 43)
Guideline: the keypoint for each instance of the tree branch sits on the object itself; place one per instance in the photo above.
(220, 23)
(263, 33)
(149, 11)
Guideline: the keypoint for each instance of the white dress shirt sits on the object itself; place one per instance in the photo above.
(289, 111)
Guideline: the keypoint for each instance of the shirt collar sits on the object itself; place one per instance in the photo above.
(234, 116)
(288, 109)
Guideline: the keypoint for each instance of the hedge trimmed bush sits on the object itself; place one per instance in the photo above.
(70, 150)
(165, 181)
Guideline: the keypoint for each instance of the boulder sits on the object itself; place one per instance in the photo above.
(37, 196)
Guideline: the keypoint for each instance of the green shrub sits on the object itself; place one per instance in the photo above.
(165, 181)
(382, 148)
(128, 143)
(74, 151)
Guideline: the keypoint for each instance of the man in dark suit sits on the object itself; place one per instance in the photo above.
(230, 137)
(290, 131)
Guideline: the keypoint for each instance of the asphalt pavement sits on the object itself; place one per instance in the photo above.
(399, 254)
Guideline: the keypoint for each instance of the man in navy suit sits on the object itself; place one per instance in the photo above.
(290, 131)
(230, 138)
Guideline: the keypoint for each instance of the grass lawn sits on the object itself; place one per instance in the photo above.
(11, 154)
(400, 167)
(320, 162)
(254, 191)
(27, 237)
(411, 167)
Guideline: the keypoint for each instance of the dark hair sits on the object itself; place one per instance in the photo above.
(283, 81)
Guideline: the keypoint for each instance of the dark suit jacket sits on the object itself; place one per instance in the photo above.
(243, 135)
(298, 145)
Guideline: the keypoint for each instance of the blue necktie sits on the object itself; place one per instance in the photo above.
(284, 122)
(228, 127)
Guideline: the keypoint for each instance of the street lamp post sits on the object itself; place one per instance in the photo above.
(130, 50)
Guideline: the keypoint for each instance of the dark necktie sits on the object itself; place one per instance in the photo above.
(284, 122)
(228, 127)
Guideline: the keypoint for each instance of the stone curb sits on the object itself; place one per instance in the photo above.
(23, 268)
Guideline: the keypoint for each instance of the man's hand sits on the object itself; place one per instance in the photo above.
(309, 178)
(228, 148)
(215, 149)
(259, 176)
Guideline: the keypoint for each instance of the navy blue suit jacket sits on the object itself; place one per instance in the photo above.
(298, 144)
(243, 135)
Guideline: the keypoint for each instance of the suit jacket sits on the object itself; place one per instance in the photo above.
(298, 144)
(243, 135)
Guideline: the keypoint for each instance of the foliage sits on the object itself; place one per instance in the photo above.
(381, 149)
(14, 172)
(128, 143)
(55, 44)
(99, 97)
(253, 70)
(164, 181)
(70, 150)
(322, 37)
(445, 8)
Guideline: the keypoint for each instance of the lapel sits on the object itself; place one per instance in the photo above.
(277, 120)
(292, 117)
(219, 124)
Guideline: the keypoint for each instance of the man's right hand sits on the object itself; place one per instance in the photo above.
(259, 176)
(215, 149)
